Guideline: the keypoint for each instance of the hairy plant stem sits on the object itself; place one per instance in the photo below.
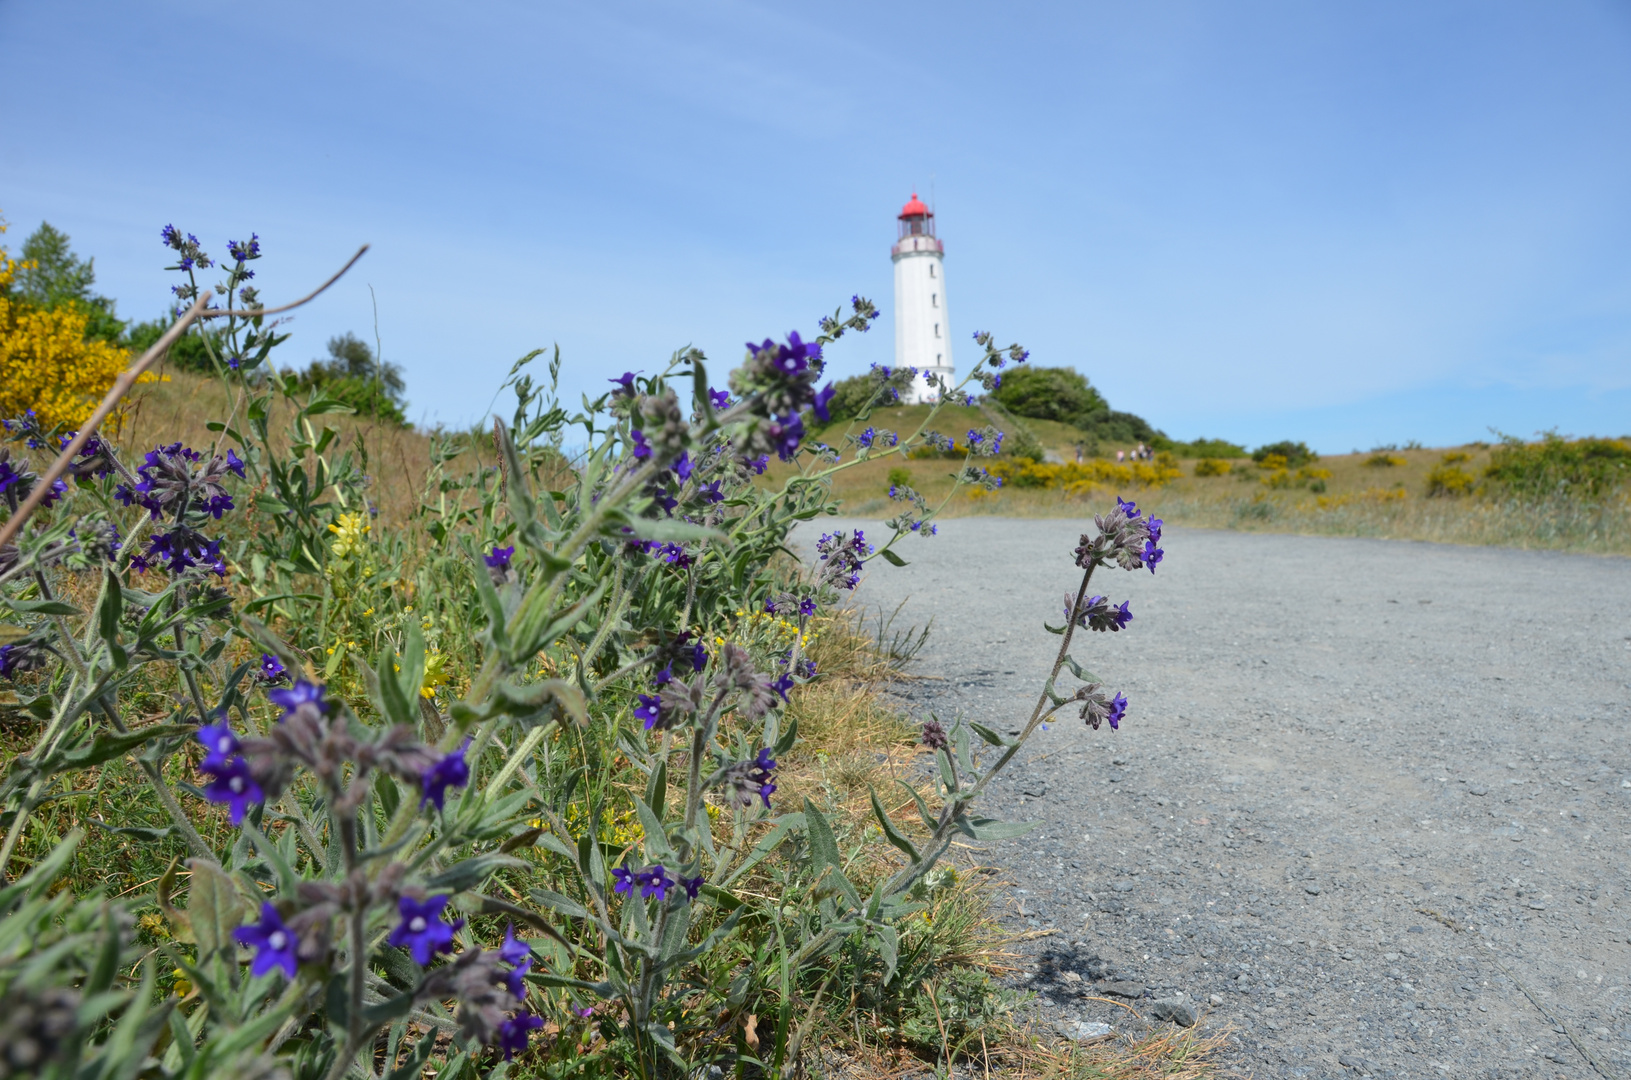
(940, 840)
(355, 1029)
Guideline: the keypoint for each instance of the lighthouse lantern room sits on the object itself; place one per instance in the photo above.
(922, 332)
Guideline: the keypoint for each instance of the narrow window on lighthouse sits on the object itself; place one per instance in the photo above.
(936, 329)
(934, 299)
(931, 269)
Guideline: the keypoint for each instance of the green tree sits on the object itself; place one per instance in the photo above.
(1044, 393)
(53, 277)
(354, 375)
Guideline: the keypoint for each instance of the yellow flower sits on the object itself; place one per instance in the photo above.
(182, 986)
(45, 362)
(348, 530)
(435, 675)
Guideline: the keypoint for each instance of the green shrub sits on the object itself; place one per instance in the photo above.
(1577, 469)
(1045, 393)
(850, 396)
(1206, 448)
(1295, 453)
(1211, 467)
(1384, 461)
(899, 477)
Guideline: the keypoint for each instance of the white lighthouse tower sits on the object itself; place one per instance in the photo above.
(922, 334)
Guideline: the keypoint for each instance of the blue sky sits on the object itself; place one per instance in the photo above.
(1347, 224)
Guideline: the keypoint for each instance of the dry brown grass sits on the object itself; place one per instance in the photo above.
(398, 457)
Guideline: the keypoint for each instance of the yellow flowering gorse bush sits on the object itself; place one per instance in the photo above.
(45, 362)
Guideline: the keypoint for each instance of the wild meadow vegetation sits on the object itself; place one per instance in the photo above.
(1549, 492)
(335, 749)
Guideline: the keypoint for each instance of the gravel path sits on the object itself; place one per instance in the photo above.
(1371, 805)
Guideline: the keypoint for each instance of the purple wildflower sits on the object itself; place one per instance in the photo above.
(823, 396)
(272, 668)
(650, 711)
(422, 931)
(682, 467)
(623, 878)
(625, 384)
(514, 1033)
(220, 746)
(451, 771)
(274, 943)
(692, 886)
(641, 449)
(654, 881)
(1118, 709)
(235, 786)
(499, 557)
(513, 950)
(720, 399)
(301, 693)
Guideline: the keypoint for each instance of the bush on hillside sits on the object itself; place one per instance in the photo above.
(190, 353)
(1121, 429)
(1295, 453)
(850, 396)
(1207, 448)
(353, 375)
(53, 367)
(1580, 468)
(1047, 393)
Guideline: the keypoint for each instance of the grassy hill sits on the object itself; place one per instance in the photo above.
(1367, 494)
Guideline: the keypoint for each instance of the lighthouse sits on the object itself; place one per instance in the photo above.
(922, 334)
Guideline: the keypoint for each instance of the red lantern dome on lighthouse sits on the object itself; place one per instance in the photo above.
(915, 219)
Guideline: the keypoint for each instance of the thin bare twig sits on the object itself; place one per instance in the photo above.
(127, 380)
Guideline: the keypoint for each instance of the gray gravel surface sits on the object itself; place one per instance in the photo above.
(1367, 795)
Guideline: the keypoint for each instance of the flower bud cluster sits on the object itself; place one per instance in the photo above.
(914, 517)
(25, 428)
(35, 1027)
(934, 735)
(747, 780)
(871, 437)
(974, 474)
(17, 482)
(1097, 613)
(663, 426)
(186, 245)
(842, 555)
(779, 381)
(1126, 538)
(1096, 708)
(22, 657)
(865, 311)
(251, 770)
(986, 442)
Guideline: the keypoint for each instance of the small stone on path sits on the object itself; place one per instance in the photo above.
(1173, 1009)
